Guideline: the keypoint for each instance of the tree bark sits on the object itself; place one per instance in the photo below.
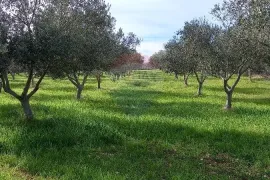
(200, 80)
(79, 86)
(99, 83)
(99, 80)
(79, 92)
(25, 96)
(250, 75)
(228, 105)
(200, 88)
(27, 109)
(186, 76)
(176, 75)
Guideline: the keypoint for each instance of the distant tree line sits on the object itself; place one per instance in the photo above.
(238, 44)
(63, 39)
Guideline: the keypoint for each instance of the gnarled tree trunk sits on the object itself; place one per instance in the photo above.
(99, 83)
(228, 105)
(79, 91)
(27, 109)
(200, 80)
(186, 76)
(176, 75)
(98, 77)
(250, 75)
(230, 89)
(200, 88)
(74, 79)
(26, 95)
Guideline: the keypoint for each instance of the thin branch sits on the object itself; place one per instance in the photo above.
(37, 84)
(28, 82)
(76, 78)
(197, 76)
(6, 86)
(84, 79)
(225, 83)
(34, 11)
(73, 81)
(236, 82)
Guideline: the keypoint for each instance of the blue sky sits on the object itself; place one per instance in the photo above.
(156, 21)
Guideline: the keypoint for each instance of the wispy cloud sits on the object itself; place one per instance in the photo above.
(156, 21)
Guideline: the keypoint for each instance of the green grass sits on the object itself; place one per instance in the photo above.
(146, 126)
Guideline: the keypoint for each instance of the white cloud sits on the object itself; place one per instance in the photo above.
(156, 21)
(147, 48)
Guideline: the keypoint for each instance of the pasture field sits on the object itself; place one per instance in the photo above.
(144, 126)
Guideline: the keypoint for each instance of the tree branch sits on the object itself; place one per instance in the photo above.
(37, 84)
(225, 83)
(28, 82)
(34, 11)
(6, 85)
(197, 76)
(76, 78)
(84, 79)
(72, 81)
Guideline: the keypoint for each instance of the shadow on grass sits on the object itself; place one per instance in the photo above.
(241, 90)
(75, 147)
(70, 148)
(258, 101)
(251, 91)
(175, 105)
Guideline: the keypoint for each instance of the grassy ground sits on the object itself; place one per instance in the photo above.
(147, 126)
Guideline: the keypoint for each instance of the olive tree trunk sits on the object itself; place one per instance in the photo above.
(230, 89)
(229, 100)
(200, 88)
(24, 98)
(27, 109)
(74, 79)
(99, 80)
(176, 75)
(99, 84)
(186, 76)
(79, 92)
(250, 75)
(200, 80)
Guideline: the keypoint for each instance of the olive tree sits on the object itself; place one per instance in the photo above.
(235, 51)
(197, 36)
(176, 59)
(95, 42)
(32, 45)
(157, 60)
(90, 28)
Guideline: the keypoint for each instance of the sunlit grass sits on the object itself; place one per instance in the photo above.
(146, 126)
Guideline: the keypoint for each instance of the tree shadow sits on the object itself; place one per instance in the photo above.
(76, 145)
(258, 101)
(83, 149)
(163, 104)
(251, 91)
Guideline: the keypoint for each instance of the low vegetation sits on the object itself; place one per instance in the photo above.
(145, 126)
